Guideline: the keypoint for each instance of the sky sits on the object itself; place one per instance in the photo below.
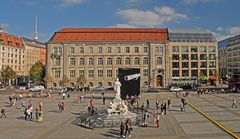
(218, 16)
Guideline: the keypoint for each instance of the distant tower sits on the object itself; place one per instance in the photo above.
(36, 33)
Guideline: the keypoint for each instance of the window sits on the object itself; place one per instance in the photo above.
(184, 56)
(212, 64)
(203, 64)
(72, 61)
(109, 50)
(118, 49)
(184, 49)
(212, 57)
(81, 61)
(203, 57)
(72, 73)
(90, 73)
(212, 49)
(100, 84)
(109, 84)
(175, 57)
(81, 73)
(127, 50)
(55, 50)
(175, 64)
(175, 73)
(203, 49)
(57, 62)
(194, 57)
(100, 73)
(136, 61)
(194, 65)
(194, 73)
(194, 49)
(136, 50)
(90, 84)
(203, 72)
(185, 65)
(81, 50)
(60, 50)
(109, 61)
(99, 49)
(109, 73)
(118, 61)
(57, 73)
(212, 72)
(72, 50)
(159, 61)
(145, 72)
(91, 61)
(127, 61)
(90, 50)
(159, 50)
(175, 49)
(145, 60)
(145, 49)
(100, 61)
(185, 73)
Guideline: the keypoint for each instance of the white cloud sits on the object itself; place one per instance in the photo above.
(157, 16)
(220, 29)
(234, 30)
(123, 26)
(196, 1)
(68, 3)
(4, 27)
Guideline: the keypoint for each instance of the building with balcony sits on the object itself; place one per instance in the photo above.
(193, 56)
(97, 53)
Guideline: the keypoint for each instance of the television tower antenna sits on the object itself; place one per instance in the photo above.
(36, 33)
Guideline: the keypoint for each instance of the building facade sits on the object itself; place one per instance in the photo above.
(193, 56)
(97, 53)
(222, 59)
(12, 53)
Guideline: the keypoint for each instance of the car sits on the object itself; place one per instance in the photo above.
(36, 88)
(110, 89)
(153, 90)
(99, 88)
(175, 89)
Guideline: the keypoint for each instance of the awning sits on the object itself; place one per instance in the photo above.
(212, 77)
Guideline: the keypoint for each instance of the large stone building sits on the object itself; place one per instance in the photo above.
(97, 53)
(229, 62)
(12, 53)
(193, 56)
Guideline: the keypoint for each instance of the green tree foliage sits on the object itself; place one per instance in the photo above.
(37, 72)
(81, 80)
(8, 73)
(64, 82)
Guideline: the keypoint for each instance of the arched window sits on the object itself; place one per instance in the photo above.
(145, 83)
(91, 61)
(127, 61)
(145, 60)
(100, 61)
(109, 84)
(159, 61)
(118, 61)
(72, 61)
(109, 61)
(90, 84)
(81, 62)
(99, 83)
(136, 61)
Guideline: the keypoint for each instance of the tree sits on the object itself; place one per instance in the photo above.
(64, 81)
(81, 80)
(37, 72)
(8, 74)
(48, 80)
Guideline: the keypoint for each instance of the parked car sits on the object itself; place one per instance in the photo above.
(110, 89)
(175, 89)
(99, 88)
(36, 88)
(153, 90)
(70, 88)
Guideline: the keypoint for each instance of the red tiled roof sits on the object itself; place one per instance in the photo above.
(11, 40)
(110, 34)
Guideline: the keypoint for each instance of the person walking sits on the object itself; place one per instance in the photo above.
(104, 99)
(158, 120)
(127, 128)
(234, 103)
(122, 127)
(169, 103)
(148, 104)
(3, 113)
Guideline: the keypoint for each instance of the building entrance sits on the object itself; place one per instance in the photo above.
(159, 80)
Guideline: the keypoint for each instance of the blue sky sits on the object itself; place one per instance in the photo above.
(218, 16)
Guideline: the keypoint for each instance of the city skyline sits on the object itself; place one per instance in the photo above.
(217, 16)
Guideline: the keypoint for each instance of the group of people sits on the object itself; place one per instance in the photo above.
(61, 106)
(126, 128)
(28, 111)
